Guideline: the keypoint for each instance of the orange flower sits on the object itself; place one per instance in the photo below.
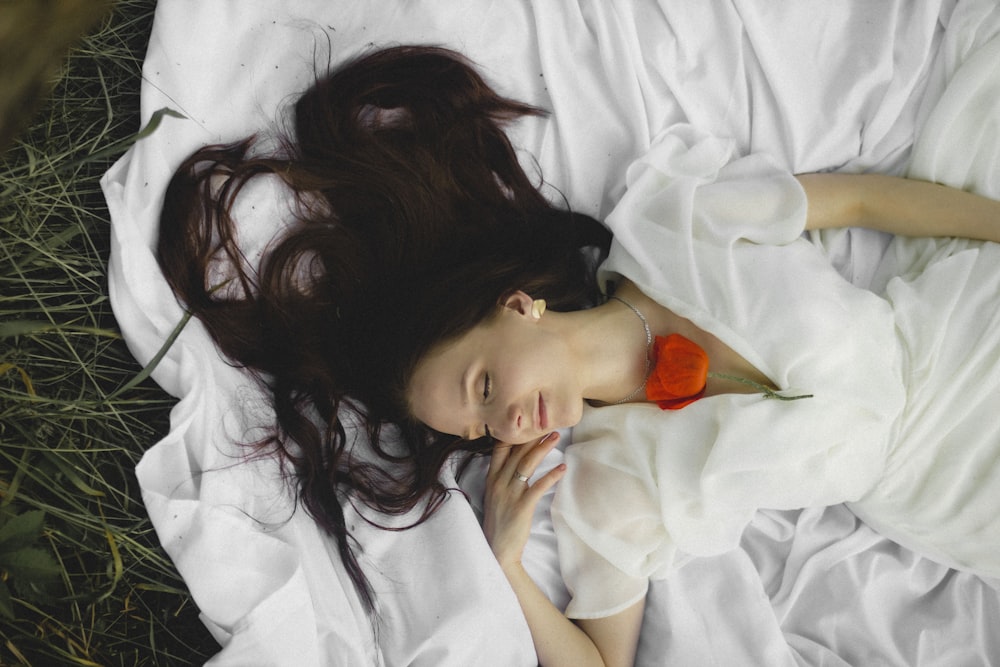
(680, 371)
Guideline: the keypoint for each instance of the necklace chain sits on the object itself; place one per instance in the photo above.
(649, 344)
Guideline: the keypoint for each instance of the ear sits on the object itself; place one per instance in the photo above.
(519, 302)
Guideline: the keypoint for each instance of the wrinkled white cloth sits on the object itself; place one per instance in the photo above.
(905, 384)
(718, 240)
(821, 84)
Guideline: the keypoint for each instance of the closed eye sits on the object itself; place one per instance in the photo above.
(487, 388)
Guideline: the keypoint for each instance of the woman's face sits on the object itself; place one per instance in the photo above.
(512, 378)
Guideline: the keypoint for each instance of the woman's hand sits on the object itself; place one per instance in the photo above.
(510, 500)
(511, 495)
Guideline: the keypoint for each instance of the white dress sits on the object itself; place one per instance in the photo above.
(904, 422)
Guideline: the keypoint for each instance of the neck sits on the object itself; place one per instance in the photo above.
(610, 344)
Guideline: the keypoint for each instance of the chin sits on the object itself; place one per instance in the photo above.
(575, 416)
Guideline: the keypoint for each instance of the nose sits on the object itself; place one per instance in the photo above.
(508, 423)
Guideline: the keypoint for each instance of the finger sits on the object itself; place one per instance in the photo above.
(542, 485)
(498, 458)
(527, 460)
(505, 454)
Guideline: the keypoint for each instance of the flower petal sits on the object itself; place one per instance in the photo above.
(680, 372)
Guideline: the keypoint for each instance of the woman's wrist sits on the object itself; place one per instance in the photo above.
(517, 577)
(508, 561)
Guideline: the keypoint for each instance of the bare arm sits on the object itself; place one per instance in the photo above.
(510, 504)
(898, 205)
(602, 642)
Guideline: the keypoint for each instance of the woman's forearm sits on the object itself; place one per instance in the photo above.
(898, 205)
(509, 503)
(559, 641)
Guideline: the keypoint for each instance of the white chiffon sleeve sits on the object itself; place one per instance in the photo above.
(716, 239)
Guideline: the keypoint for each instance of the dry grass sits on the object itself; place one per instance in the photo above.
(84, 581)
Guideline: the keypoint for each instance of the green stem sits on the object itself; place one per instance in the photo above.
(767, 391)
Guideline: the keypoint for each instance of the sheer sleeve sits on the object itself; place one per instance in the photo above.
(717, 240)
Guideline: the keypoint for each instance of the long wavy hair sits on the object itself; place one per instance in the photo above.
(414, 220)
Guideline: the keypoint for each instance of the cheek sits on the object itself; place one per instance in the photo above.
(573, 412)
(563, 405)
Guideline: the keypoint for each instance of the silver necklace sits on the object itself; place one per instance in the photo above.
(649, 344)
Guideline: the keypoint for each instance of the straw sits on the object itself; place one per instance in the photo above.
(83, 580)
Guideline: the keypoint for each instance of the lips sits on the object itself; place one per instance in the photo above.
(543, 418)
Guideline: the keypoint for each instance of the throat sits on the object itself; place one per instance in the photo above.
(633, 326)
(648, 359)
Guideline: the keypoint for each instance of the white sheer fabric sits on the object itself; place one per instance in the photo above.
(717, 239)
(903, 387)
(819, 84)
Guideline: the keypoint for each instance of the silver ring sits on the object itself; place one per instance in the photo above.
(519, 477)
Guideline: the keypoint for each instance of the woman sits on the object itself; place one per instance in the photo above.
(878, 383)
(447, 330)
(400, 164)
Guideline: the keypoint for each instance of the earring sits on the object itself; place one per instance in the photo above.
(538, 308)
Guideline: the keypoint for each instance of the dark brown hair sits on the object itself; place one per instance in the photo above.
(415, 220)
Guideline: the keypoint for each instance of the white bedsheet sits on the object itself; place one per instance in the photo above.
(822, 84)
